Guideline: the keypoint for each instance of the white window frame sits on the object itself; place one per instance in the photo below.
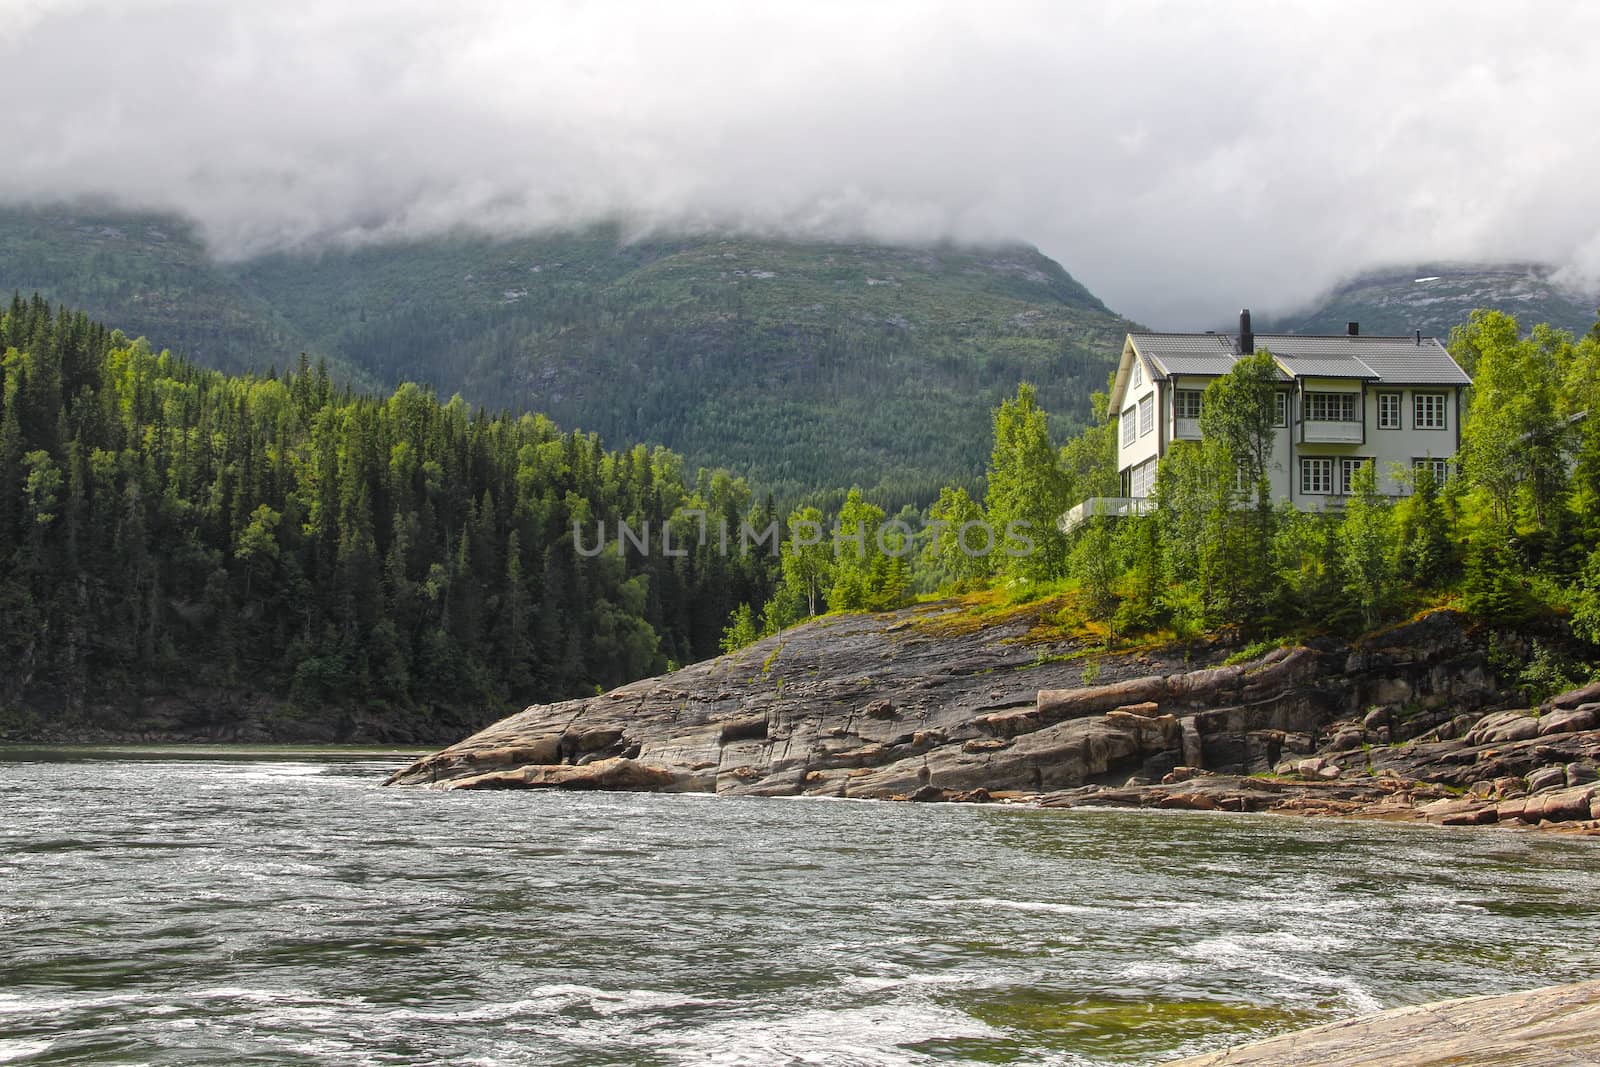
(1390, 406)
(1348, 465)
(1130, 428)
(1430, 411)
(1320, 407)
(1280, 409)
(1136, 376)
(1147, 415)
(1441, 468)
(1187, 397)
(1323, 466)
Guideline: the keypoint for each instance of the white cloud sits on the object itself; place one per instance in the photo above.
(1179, 159)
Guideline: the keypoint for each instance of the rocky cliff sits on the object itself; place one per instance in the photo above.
(930, 704)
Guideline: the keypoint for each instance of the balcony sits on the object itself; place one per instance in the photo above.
(1113, 506)
(1186, 429)
(1333, 433)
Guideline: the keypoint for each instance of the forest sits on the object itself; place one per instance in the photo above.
(386, 568)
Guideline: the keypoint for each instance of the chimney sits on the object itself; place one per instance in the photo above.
(1352, 329)
(1419, 338)
(1247, 337)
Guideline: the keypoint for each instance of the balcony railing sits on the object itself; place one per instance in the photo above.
(1186, 429)
(1114, 506)
(1333, 432)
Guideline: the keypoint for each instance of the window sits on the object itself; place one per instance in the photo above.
(1147, 415)
(1186, 403)
(1347, 473)
(1440, 468)
(1137, 373)
(1142, 479)
(1388, 411)
(1331, 407)
(1129, 430)
(1280, 409)
(1427, 411)
(1316, 476)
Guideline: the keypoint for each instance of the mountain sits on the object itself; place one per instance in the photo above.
(1434, 297)
(150, 276)
(803, 365)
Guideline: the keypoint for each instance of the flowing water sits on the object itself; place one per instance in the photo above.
(229, 908)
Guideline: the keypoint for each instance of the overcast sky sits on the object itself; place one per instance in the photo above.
(1180, 159)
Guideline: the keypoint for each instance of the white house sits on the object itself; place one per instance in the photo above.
(1342, 401)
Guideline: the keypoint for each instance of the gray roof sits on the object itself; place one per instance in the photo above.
(1188, 353)
(1392, 360)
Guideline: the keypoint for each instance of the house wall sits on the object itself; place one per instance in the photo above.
(1392, 450)
(1145, 446)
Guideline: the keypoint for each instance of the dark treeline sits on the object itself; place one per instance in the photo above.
(380, 567)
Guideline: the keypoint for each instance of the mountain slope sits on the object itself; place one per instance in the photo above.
(1434, 297)
(803, 365)
(149, 276)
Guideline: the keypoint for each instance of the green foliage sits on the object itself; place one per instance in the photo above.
(808, 561)
(1211, 543)
(871, 569)
(1492, 587)
(1028, 490)
(163, 526)
(1238, 411)
(1095, 567)
(1586, 609)
(1367, 548)
(741, 630)
(1427, 556)
(958, 550)
(1515, 441)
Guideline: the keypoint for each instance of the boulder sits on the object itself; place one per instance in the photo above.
(1503, 726)
(1568, 804)
(1547, 778)
(1573, 698)
(1055, 705)
(1568, 721)
(612, 774)
(1581, 774)
(1191, 743)
(1346, 739)
(1471, 817)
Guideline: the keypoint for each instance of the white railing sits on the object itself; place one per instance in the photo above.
(1186, 429)
(1333, 432)
(1112, 506)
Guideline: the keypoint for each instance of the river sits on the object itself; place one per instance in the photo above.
(181, 906)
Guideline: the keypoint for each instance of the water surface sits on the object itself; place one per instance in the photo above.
(202, 907)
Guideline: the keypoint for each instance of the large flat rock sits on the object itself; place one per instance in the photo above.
(956, 701)
(1558, 1026)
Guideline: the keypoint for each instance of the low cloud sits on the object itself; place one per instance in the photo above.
(1181, 160)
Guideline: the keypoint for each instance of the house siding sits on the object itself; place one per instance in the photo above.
(1393, 451)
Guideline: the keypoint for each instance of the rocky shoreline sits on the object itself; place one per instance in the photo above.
(931, 704)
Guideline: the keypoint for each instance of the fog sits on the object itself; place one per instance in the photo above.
(1179, 159)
